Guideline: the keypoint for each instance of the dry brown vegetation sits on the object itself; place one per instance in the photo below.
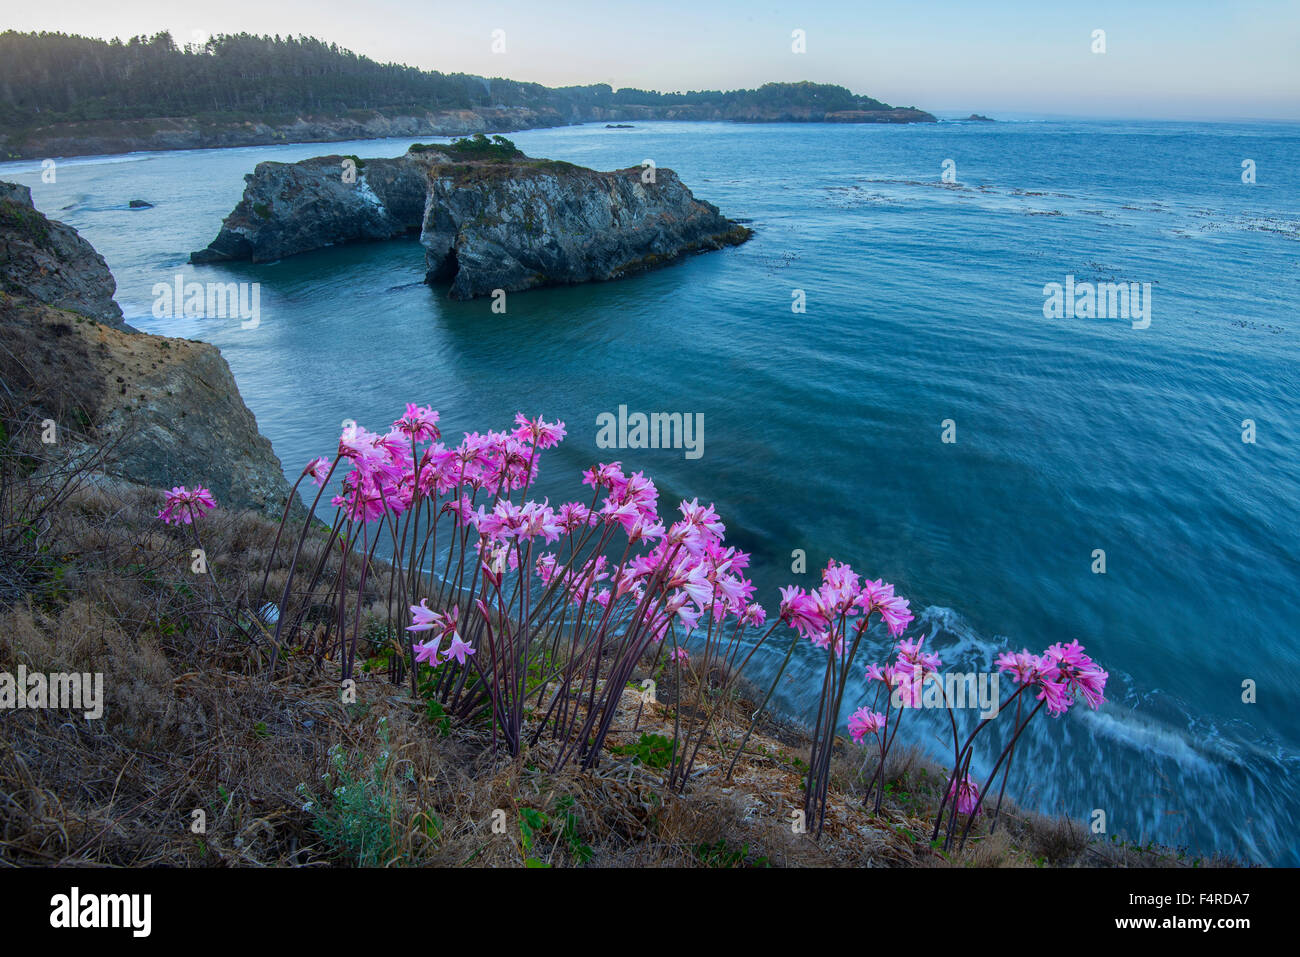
(287, 774)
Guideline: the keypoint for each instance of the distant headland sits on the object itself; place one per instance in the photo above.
(76, 96)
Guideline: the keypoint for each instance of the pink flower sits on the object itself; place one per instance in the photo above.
(968, 795)
(1064, 671)
(357, 444)
(423, 618)
(580, 583)
(319, 469)
(181, 507)
(692, 577)
(699, 527)
(877, 596)
(428, 652)
(631, 500)
(1020, 665)
(863, 722)
(823, 640)
(1061, 672)
(1056, 695)
(500, 524)
(461, 509)
(1078, 672)
(913, 660)
(544, 435)
(679, 654)
(624, 513)
(443, 624)
(575, 515)
(839, 586)
(458, 650)
(546, 567)
(645, 529)
(394, 446)
(420, 423)
(802, 611)
(540, 520)
(604, 476)
(679, 607)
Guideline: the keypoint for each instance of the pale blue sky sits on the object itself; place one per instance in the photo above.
(1217, 60)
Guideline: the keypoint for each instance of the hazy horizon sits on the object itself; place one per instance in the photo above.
(1163, 60)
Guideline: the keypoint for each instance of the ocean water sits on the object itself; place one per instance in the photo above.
(823, 430)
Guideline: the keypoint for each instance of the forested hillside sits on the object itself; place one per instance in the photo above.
(52, 77)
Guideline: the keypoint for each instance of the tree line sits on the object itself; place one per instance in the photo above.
(54, 77)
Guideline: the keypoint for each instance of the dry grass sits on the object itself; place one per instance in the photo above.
(191, 723)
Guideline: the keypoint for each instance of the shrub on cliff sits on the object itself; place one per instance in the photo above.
(479, 146)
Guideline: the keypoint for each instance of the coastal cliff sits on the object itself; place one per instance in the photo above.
(49, 262)
(489, 217)
(171, 406)
(102, 137)
(105, 137)
(78, 96)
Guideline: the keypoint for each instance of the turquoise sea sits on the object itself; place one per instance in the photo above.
(822, 430)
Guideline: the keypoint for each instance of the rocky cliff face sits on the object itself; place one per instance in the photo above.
(290, 208)
(486, 223)
(171, 405)
(49, 262)
(100, 137)
(521, 225)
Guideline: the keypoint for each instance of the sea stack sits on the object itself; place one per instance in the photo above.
(489, 217)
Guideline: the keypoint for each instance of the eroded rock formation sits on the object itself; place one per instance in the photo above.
(486, 221)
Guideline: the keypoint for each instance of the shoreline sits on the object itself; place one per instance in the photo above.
(177, 134)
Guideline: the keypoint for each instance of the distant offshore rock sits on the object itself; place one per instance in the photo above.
(488, 217)
(977, 118)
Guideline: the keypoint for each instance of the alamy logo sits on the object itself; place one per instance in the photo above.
(955, 690)
(1103, 300)
(214, 300)
(76, 910)
(74, 692)
(658, 430)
